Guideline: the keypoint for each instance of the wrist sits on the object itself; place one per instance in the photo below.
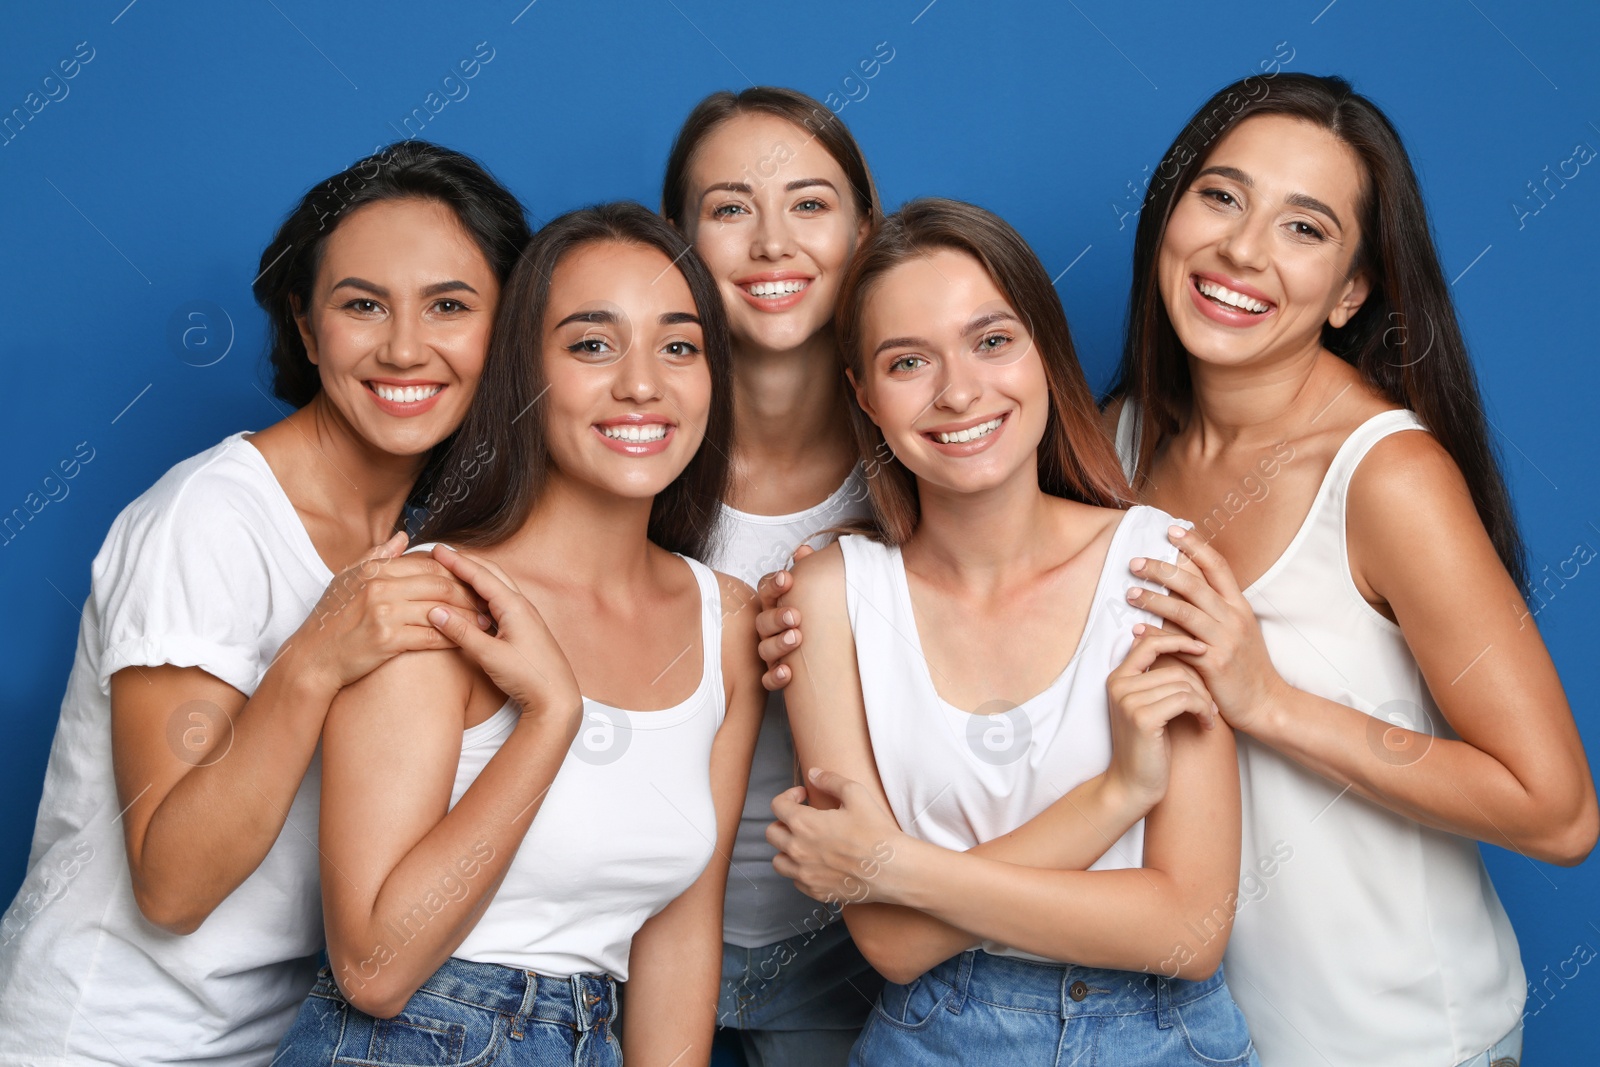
(902, 877)
(304, 675)
(1121, 801)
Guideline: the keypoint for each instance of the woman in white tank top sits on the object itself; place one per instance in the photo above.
(1296, 384)
(970, 670)
(505, 835)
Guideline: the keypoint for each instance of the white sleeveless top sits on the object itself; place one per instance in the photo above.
(628, 824)
(1362, 936)
(955, 778)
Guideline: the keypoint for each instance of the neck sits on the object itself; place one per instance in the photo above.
(1260, 402)
(981, 538)
(583, 536)
(345, 476)
(788, 406)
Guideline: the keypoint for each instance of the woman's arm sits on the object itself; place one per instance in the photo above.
(207, 776)
(1518, 777)
(675, 964)
(405, 877)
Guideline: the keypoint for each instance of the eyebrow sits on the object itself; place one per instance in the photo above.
(789, 187)
(979, 323)
(377, 290)
(601, 317)
(1310, 203)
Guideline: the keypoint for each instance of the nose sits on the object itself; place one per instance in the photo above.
(959, 387)
(638, 376)
(404, 346)
(773, 238)
(1245, 243)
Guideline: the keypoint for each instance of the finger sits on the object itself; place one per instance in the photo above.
(1185, 702)
(464, 633)
(777, 678)
(424, 638)
(502, 598)
(774, 650)
(786, 867)
(1217, 573)
(779, 836)
(1178, 611)
(771, 587)
(1186, 583)
(774, 621)
(1149, 646)
(395, 546)
(832, 783)
(786, 804)
(802, 552)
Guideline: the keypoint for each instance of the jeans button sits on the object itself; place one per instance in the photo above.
(1077, 991)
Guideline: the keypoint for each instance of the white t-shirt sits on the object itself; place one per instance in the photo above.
(761, 906)
(211, 567)
(628, 824)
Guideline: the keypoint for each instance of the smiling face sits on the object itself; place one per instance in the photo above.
(398, 322)
(771, 213)
(950, 373)
(1258, 251)
(629, 388)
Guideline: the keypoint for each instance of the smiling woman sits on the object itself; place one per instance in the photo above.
(185, 758)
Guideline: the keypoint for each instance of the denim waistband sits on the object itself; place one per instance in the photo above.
(582, 1001)
(1064, 990)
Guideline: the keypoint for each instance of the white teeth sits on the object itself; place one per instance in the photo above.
(971, 433)
(407, 394)
(1223, 294)
(653, 431)
(783, 288)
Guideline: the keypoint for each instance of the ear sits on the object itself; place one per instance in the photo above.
(302, 320)
(1356, 291)
(861, 394)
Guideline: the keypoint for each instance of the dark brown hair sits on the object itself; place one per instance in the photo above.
(406, 170)
(826, 128)
(1404, 340)
(501, 448)
(1076, 461)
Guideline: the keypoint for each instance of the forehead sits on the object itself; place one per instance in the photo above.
(636, 277)
(1283, 154)
(391, 230)
(752, 145)
(939, 289)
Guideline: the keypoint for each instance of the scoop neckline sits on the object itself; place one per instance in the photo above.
(903, 590)
(280, 500)
(795, 516)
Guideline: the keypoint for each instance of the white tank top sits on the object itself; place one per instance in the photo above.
(955, 778)
(627, 825)
(1362, 936)
(762, 906)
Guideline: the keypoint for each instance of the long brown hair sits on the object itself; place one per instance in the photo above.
(500, 456)
(1076, 461)
(1404, 340)
(826, 128)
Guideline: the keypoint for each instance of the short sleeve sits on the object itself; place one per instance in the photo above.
(186, 578)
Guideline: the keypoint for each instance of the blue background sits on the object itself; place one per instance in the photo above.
(157, 179)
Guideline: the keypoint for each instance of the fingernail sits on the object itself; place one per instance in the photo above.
(790, 637)
(1134, 592)
(1138, 630)
(782, 672)
(438, 616)
(814, 773)
(1176, 531)
(788, 618)
(1137, 566)
(484, 620)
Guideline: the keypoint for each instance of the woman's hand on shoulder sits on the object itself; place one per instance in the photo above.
(1148, 690)
(518, 653)
(377, 608)
(778, 623)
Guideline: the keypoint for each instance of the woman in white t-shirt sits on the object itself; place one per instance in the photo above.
(775, 195)
(170, 910)
(971, 659)
(492, 866)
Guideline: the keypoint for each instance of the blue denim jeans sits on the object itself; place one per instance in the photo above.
(473, 1014)
(1507, 1052)
(977, 1009)
(799, 1002)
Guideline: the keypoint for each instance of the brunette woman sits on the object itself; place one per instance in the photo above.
(1295, 382)
(492, 868)
(175, 849)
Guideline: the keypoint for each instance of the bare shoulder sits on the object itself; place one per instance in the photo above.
(818, 581)
(424, 680)
(739, 602)
(1408, 479)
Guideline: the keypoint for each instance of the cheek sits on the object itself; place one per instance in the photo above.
(828, 242)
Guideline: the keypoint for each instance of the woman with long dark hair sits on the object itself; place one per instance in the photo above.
(512, 828)
(1295, 382)
(971, 658)
(174, 851)
(775, 195)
